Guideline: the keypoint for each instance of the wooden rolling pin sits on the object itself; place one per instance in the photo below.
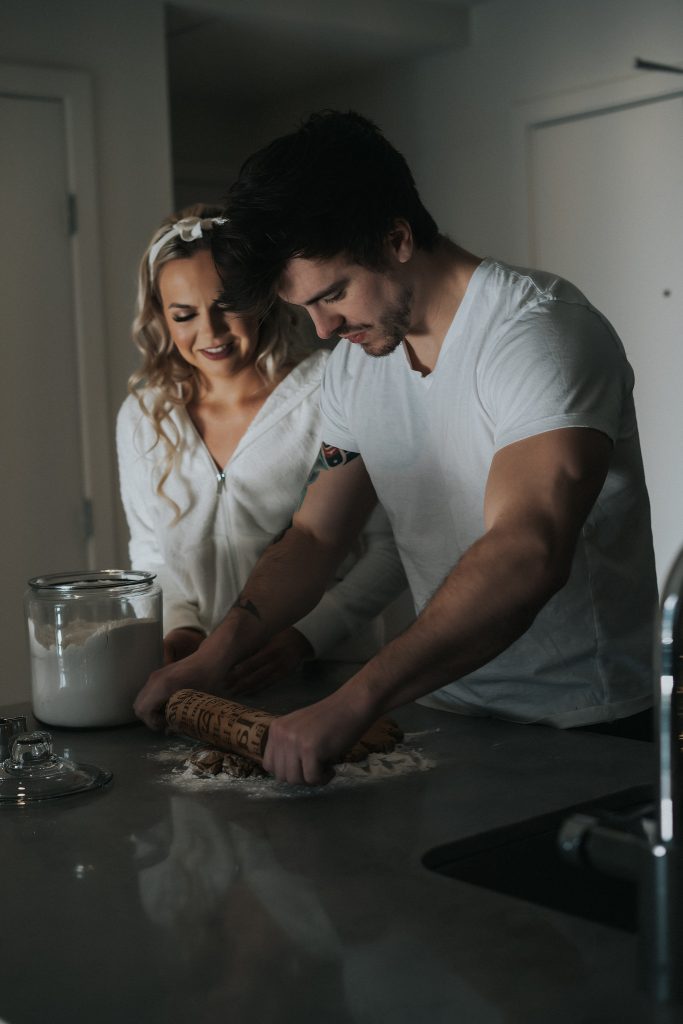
(239, 729)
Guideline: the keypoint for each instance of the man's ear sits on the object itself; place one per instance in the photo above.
(400, 241)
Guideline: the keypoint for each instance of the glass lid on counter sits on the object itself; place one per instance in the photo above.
(33, 772)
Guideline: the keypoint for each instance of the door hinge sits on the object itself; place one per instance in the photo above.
(71, 214)
(88, 519)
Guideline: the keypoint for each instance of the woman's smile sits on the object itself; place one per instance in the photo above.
(217, 351)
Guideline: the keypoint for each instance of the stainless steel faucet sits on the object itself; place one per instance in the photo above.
(669, 710)
(651, 854)
(661, 911)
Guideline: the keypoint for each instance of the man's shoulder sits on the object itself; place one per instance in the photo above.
(524, 288)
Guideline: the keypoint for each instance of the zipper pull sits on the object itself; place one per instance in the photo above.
(220, 481)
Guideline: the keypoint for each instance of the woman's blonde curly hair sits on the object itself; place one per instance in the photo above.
(164, 380)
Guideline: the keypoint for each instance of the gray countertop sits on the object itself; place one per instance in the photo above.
(157, 900)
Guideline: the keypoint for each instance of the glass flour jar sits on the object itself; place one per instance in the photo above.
(94, 639)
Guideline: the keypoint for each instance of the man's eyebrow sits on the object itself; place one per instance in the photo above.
(334, 287)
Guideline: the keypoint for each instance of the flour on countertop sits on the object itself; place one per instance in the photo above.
(404, 760)
(176, 754)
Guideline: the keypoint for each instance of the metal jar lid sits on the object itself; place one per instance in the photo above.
(98, 579)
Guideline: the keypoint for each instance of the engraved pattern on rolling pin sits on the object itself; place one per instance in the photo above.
(225, 724)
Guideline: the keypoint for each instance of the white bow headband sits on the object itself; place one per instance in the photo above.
(189, 229)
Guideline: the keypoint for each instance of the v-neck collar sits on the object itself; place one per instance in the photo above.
(278, 404)
(462, 312)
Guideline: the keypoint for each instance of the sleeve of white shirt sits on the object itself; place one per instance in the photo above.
(336, 379)
(560, 365)
(138, 499)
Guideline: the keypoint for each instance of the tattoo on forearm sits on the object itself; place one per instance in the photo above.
(247, 606)
(331, 456)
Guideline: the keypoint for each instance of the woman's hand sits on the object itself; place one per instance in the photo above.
(181, 642)
(280, 657)
(202, 671)
(151, 701)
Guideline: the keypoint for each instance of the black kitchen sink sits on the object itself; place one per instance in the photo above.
(524, 861)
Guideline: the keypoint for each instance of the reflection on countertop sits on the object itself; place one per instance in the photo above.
(149, 902)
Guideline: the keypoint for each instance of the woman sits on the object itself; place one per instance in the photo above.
(216, 442)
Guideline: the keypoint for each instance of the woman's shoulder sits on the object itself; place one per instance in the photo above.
(136, 409)
(312, 366)
(143, 402)
(135, 421)
(307, 375)
(130, 412)
(134, 429)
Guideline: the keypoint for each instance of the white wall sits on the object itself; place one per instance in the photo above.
(209, 144)
(121, 45)
(452, 114)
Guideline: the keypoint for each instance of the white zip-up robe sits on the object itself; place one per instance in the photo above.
(229, 517)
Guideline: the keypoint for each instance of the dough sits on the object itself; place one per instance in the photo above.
(209, 761)
(381, 738)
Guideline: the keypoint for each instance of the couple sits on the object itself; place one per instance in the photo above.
(489, 409)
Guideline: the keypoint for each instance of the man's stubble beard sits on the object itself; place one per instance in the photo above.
(394, 324)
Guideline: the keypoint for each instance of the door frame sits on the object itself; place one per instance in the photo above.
(73, 90)
(529, 114)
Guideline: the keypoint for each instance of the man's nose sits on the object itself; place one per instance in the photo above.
(326, 323)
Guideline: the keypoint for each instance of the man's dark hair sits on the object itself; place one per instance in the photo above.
(333, 187)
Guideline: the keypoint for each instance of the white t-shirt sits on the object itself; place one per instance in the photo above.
(525, 353)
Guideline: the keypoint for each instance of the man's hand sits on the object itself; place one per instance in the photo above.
(278, 659)
(180, 643)
(303, 747)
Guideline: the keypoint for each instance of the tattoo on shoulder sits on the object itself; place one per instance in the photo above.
(331, 456)
(247, 606)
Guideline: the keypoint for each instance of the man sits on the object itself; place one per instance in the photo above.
(490, 410)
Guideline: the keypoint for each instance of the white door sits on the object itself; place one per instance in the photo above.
(607, 213)
(42, 527)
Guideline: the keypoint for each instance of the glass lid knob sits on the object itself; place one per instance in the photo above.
(33, 750)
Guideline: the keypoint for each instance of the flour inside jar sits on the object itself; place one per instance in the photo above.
(89, 673)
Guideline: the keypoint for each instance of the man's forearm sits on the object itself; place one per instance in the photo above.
(487, 601)
(287, 582)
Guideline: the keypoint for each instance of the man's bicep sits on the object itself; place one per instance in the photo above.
(337, 504)
(553, 478)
